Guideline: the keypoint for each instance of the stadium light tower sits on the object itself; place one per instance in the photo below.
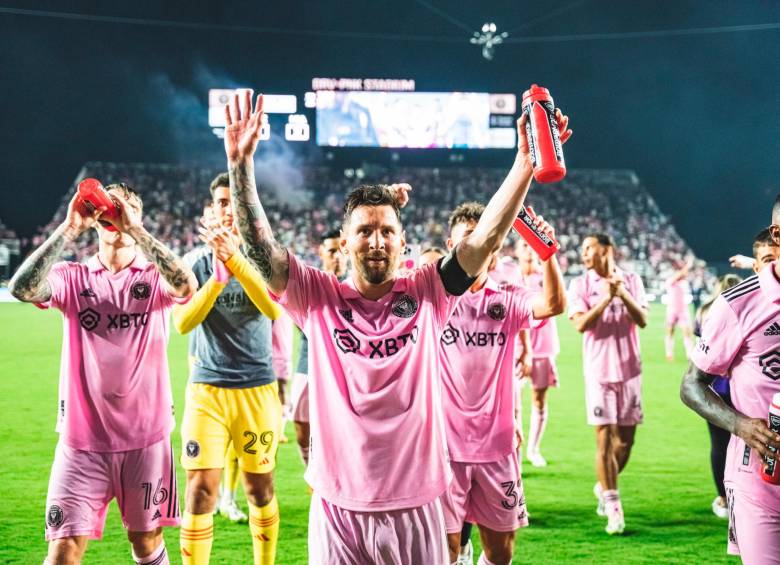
(488, 39)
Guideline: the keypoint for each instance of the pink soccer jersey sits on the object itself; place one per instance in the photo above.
(115, 392)
(377, 433)
(610, 349)
(544, 339)
(677, 291)
(477, 359)
(741, 340)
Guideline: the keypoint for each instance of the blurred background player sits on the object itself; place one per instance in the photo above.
(378, 461)
(334, 262)
(544, 348)
(477, 358)
(607, 304)
(740, 341)
(231, 395)
(115, 406)
(677, 309)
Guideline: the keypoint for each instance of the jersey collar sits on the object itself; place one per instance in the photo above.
(139, 263)
(770, 285)
(349, 291)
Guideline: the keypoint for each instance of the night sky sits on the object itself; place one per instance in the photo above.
(696, 116)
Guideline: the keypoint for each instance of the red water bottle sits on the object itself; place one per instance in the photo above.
(544, 246)
(771, 473)
(92, 196)
(541, 131)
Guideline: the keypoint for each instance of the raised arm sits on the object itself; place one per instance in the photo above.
(698, 395)
(637, 312)
(475, 250)
(178, 278)
(241, 137)
(552, 300)
(29, 283)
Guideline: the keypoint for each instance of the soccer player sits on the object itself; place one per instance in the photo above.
(115, 409)
(765, 250)
(607, 305)
(334, 262)
(281, 360)
(477, 356)
(377, 460)
(544, 348)
(739, 341)
(231, 395)
(677, 310)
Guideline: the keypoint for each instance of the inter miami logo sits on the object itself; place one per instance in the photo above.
(404, 306)
(450, 335)
(89, 319)
(497, 311)
(87, 293)
(347, 315)
(598, 412)
(770, 364)
(346, 341)
(192, 449)
(141, 290)
(54, 516)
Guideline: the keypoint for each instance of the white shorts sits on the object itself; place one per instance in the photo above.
(300, 397)
(396, 537)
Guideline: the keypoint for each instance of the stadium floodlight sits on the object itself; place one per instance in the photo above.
(488, 39)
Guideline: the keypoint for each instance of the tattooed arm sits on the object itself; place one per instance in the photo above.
(29, 283)
(177, 276)
(698, 395)
(241, 137)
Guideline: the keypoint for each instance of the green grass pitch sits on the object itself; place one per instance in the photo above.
(666, 488)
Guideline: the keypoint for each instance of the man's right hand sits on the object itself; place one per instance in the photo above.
(242, 132)
(757, 435)
(76, 222)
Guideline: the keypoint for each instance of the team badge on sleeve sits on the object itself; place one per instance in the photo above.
(404, 306)
(54, 516)
(192, 449)
(141, 290)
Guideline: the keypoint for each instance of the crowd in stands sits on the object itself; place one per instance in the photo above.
(612, 201)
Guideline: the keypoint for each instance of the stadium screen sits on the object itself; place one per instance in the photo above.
(447, 120)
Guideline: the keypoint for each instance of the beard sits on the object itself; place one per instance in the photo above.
(375, 272)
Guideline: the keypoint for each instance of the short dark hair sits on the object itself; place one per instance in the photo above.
(333, 233)
(370, 195)
(222, 179)
(466, 212)
(602, 238)
(764, 237)
(434, 249)
(128, 192)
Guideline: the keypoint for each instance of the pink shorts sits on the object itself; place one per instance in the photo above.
(544, 373)
(754, 530)
(487, 494)
(82, 483)
(345, 537)
(614, 403)
(678, 318)
(300, 398)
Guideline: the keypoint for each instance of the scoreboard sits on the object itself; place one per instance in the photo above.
(360, 116)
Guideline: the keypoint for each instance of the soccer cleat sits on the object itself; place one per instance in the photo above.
(466, 555)
(616, 524)
(719, 508)
(536, 459)
(597, 489)
(230, 510)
